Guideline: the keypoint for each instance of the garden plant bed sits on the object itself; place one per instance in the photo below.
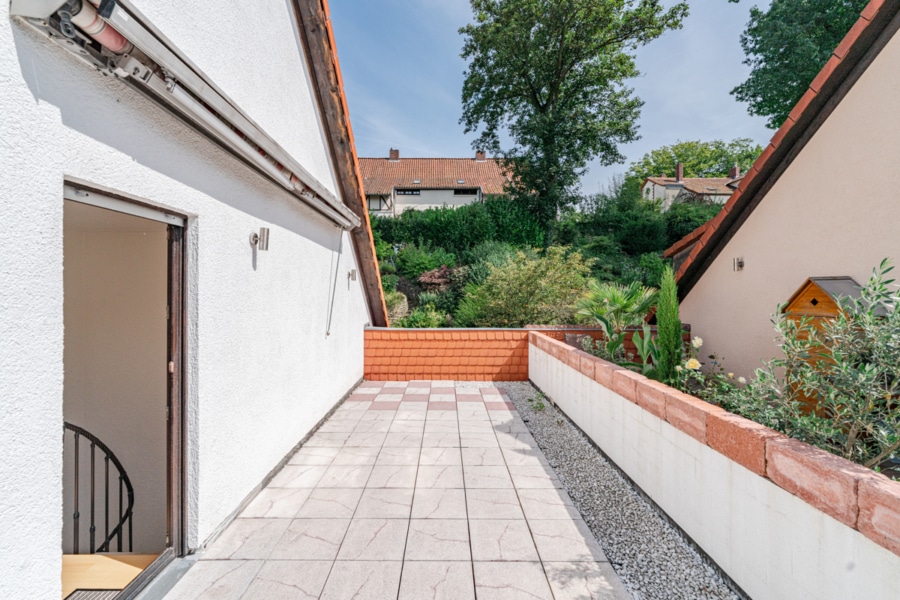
(652, 558)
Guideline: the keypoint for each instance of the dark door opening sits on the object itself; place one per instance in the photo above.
(123, 440)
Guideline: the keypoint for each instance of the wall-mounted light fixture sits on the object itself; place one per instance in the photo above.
(261, 239)
(739, 264)
(352, 275)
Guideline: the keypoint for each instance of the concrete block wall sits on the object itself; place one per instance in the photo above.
(783, 519)
(458, 354)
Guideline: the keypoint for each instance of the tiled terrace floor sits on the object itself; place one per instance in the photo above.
(410, 490)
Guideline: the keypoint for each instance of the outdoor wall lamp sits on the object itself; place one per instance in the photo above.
(738, 264)
(352, 275)
(261, 239)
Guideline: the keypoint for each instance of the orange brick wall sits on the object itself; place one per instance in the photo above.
(458, 354)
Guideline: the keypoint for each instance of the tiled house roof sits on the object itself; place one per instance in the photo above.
(698, 185)
(381, 175)
(871, 32)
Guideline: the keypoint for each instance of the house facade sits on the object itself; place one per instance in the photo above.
(393, 185)
(815, 204)
(187, 269)
(669, 190)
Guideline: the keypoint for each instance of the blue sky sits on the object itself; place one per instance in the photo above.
(403, 77)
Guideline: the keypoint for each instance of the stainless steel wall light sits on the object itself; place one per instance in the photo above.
(261, 239)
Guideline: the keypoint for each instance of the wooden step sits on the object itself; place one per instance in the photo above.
(111, 571)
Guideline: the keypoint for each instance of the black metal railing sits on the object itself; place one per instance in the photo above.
(125, 491)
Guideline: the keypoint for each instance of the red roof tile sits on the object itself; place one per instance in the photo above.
(381, 175)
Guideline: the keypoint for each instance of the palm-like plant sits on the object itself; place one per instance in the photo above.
(616, 306)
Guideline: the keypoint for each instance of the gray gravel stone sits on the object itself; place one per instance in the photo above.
(652, 558)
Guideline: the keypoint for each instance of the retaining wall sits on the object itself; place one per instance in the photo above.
(457, 354)
(783, 519)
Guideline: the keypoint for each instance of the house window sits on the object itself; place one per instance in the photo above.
(378, 202)
(466, 192)
(409, 192)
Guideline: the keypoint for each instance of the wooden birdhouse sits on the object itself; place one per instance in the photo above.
(820, 297)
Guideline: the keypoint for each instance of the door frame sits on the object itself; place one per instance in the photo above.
(77, 190)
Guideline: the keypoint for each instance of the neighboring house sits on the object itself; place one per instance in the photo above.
(815, 204)
(393, 185)
(186, 274)
(669, 190)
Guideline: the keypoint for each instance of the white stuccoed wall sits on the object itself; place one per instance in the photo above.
(774, 545)
(261, 371)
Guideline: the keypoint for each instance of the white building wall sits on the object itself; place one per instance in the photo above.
(431, 199)
(261, 370)
(773, 544)
(835, 211)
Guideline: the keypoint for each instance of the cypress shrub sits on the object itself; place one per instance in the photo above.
(668, 326)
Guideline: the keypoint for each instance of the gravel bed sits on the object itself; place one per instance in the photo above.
(652, 558)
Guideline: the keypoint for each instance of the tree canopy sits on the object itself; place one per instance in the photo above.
(551, 75)
(786, 46)
(700, 159)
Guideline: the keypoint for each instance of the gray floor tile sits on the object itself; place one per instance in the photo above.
(313, 456)
(356, 455)
(393, 476)
(277, 503)
(547, 504)
(385, 503)
(438, 539)
(215, 580)
(298, 476)
(397, 456)
(289, 580)
(565, 541)
(345, 476)
(440, 457)
(493, 504)
(507, 540)
(311, 539)
(439, 504)
(363, 580)
(330, 503)
(483, 457)
(247, 539)
(487, 477)
(374, 539)
(440, 476)
(578, 580)
(511, 581)
(437, 581)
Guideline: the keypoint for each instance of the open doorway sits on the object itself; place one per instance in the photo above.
(122, 393)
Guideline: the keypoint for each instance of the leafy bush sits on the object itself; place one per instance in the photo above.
(668, 325)
(461, 228)
(383, 249)
(423, 317)
(684, 217)
(528, 290)
(393, 299)
(484, 256)
(848, 367)
(389, 282)
(413, 260)
(513, 223)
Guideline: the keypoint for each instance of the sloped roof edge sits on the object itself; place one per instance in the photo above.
(877, 24)
(314, 24)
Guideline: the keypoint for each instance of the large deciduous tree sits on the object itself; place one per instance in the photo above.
(786, 46)
(700, 159)
(550, 75)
